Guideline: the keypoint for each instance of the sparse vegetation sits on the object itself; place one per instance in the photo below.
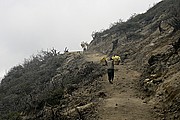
(29, 87)
(50, 85)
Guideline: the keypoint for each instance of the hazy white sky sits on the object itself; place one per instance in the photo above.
(28, 26)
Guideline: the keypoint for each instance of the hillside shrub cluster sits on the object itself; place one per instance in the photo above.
(26, 82)
(44, 80)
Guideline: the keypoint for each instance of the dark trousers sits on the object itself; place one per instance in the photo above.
(110, 74)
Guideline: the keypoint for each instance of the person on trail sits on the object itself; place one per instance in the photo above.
(161, 30)
(103, 61)
(114, 44)
(110, 70)
(116, 59)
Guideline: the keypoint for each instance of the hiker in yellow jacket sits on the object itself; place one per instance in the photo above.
(103, 61)
(116, 59)
(110, 70)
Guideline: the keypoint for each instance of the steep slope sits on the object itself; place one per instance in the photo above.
(150, 43)
(73, 85)
(138, 31)
(42, 88)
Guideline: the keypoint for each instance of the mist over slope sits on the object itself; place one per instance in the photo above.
(51, 85)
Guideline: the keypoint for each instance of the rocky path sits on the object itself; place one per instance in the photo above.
(122, 101)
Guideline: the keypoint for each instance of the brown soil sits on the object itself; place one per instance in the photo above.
(122, 101)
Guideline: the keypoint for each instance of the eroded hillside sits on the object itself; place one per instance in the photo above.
(43, 87)
(69, 86)
(150, 42)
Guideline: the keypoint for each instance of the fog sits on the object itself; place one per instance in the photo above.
(29, 26)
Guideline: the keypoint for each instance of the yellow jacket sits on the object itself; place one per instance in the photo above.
(103, 61)
(116, 58)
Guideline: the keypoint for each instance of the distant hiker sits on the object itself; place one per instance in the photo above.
(115, 42)
(110, 70)
(116, 59)
(160, 28)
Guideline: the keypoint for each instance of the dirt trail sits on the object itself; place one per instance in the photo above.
(95, 57)
(122, 101)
